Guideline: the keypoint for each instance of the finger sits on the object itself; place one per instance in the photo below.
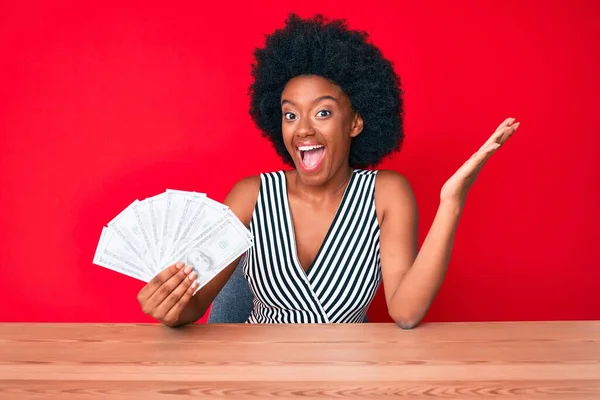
(513, 130)
(175, 311)
(175, 296)
(167, 288)
(501, 134)
(156, 282)
(507, 132)
(506, 123)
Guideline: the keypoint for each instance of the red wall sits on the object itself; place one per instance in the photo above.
(102, 105)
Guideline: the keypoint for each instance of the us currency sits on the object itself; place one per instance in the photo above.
(126, 225)
(152, 234)
(218, 247)
(192, 202)
(205, 216)
(174, 208)
(115, 254)
(156, 205)
(142, 214)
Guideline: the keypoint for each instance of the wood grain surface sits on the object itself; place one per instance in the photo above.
(501, 360)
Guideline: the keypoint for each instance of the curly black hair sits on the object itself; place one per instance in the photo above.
(329, 49)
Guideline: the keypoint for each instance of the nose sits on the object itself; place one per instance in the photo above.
(304, 128)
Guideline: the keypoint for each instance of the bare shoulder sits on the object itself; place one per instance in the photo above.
(242, 198)
(393, 192)
(389, 179)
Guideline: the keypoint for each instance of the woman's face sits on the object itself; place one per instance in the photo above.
(318, 124)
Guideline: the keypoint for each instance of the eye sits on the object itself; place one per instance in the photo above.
(324, 113)
(289, 116)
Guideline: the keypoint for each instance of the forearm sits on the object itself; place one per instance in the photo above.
(418, 287)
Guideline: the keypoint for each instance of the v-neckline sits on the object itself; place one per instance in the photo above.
(292, 230)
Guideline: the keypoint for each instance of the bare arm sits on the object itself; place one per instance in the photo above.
(168, 297)
(413, 277)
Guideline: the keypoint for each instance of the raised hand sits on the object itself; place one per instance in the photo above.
(456, 188)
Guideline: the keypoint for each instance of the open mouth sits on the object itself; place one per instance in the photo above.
(311, 156)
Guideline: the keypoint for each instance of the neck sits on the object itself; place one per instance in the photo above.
(332, 188)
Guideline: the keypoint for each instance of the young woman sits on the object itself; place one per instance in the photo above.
(331, 228)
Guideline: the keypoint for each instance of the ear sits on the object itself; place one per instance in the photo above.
(357, 125)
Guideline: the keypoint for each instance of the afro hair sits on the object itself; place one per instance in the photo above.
(329, 49)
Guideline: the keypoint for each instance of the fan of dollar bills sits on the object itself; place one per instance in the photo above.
(175, 226)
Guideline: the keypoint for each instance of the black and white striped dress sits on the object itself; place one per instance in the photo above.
(341, 282)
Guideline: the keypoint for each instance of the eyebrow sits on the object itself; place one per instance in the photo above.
(318, 99)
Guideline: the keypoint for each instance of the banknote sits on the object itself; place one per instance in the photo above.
(175, 226)
(126, 225)
(215, 248)
(114, 253)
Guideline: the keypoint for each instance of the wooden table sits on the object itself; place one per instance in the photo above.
(550, 360)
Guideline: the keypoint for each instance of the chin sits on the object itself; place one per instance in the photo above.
(318, 179)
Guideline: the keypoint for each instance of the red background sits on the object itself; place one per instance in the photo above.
(100, 105)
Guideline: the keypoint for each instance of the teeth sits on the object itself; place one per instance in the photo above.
(309, 148)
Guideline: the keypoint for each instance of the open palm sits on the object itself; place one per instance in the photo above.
(457, 187)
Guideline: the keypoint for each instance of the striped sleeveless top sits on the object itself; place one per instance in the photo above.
(340, 284)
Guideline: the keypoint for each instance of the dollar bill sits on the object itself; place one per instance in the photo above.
(205, 215)
(126, 225)
(174, 226)
(156, 205)
(215, 249)
(115, 254)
